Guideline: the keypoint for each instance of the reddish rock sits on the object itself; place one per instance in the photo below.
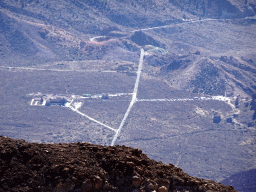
(86, 167)
(162, 189)
(136, 181)
(87, 185)
(97, 183)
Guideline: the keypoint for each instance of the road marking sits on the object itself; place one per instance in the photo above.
(134, 98)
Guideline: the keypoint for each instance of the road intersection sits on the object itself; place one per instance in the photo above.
(71, 105)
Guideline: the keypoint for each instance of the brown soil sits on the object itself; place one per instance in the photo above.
(87, 167)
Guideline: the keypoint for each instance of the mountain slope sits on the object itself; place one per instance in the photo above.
(48, 30)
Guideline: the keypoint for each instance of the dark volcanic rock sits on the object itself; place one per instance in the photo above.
(177, 64)
(208, 80)
(86, 167)
(216, 119)
(142, 39)
(229, 120)
(216, 8)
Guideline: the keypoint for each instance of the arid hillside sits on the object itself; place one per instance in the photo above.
(219, 9)
(48, 30)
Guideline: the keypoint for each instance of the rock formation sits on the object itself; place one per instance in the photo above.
(87, 167)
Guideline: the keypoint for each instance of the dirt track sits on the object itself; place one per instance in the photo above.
(86, 167)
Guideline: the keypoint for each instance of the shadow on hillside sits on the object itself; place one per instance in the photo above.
(243, 182)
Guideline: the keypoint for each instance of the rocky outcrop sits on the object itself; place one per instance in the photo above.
(216, 119)
(208, 80)
(140, 38)
(86, 167)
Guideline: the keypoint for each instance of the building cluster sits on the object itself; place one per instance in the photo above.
(47, 100)
(56, 100)
(40, 99)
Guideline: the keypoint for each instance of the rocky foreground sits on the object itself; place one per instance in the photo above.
(86, 167)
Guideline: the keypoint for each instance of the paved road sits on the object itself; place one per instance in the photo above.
(134, 98)
(219, 98)
(58, 70)
(134, 94)
(187, 21)
(75, 110)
